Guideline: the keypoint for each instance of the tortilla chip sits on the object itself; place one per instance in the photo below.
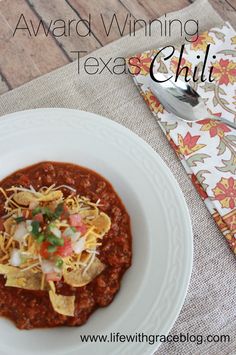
(24, 198)
(62, 304)
(102, 224)
(24, 279)
(89, 213)
(77, 278)
(6, 269)
(51, 196)
(27, 280)
(52, 286)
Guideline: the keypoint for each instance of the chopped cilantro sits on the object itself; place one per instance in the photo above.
(59, 263)
(35, 228)
(19, 219)
(54, 240)
(40, 238)
(59, 210)
(51, 248)
(44, 210)
(60, 242)
(37, 210)
(48, 213)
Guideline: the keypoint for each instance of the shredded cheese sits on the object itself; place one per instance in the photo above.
(42, 282)
(29, 249)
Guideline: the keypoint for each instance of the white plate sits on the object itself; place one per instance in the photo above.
(153, 289)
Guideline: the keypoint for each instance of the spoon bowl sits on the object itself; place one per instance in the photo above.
(179, 98)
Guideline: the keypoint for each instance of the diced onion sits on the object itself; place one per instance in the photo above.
(47, 266)
(15, 259)
(79, 246)
(28, 225)
(68, 232)
(20, 232)
(56, 231)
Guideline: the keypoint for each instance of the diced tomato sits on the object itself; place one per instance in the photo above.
(43, 251)
(53, 276)
(75, 220)
(81, 228)
(66, 249)
(39, 218)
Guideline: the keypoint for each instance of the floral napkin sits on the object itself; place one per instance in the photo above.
(207, 148)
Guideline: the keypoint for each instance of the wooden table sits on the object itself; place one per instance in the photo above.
(24, 57)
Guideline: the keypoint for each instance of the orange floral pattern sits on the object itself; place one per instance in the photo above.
(140, 64)
(200, 42)
(230, 220)
(232, 241)
(152, 102)
(207, 148)
(188, 144)
(225, 192)
(225, 71)
(223, 225)
(183, 63)
(198, 187)
(215, 128)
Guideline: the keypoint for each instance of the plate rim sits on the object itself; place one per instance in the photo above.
(166, 169)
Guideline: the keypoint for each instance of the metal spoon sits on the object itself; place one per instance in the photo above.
(181, 100)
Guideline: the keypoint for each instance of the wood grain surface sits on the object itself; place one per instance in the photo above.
(25, 56)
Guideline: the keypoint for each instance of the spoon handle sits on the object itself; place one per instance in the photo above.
(221, 119)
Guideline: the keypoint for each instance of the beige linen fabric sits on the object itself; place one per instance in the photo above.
(209, 307)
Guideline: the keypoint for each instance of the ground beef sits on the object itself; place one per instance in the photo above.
(32, 309)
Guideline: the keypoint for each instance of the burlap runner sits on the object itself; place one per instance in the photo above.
(210, 304)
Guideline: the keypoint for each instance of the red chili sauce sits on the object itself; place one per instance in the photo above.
(32, 309)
